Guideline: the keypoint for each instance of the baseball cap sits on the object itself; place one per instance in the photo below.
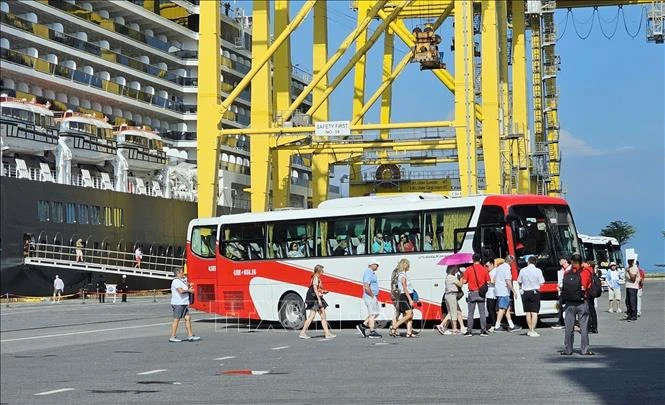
(613, 264)
(373, 261)
(124, 276)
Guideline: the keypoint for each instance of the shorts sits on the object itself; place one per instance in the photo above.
(179, 311)
(403, 304)
(57, 291)
(531, 301)
(614, 293)
(79, 252)
(503, 302)
(372, 306)
(451, 304)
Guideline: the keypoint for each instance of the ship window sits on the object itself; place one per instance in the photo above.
(43, 211)
(83, 214)
(57, 212)
(6, 112)
(118, 217)
(202, 241)
(70, 211)
(108, 218)
(95, 213)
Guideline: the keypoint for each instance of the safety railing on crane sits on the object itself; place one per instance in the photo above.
(102, 260)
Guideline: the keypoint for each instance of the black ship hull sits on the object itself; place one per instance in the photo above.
(159, 225)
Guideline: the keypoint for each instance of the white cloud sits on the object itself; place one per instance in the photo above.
(572, 146)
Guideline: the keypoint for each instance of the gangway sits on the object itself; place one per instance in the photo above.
(102, 261)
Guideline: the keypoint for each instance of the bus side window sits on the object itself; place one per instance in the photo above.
(203, 241)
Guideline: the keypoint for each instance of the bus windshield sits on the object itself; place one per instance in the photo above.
(544, 231)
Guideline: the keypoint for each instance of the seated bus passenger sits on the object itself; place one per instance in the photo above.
(405, 245)
(234, 251)
(360, 249)
(295, 251)
(380, 245)
(342, 248)
(427, 247)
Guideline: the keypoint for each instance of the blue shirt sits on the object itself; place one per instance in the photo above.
(387, 247)
(370, 278)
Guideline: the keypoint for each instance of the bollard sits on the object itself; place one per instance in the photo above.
(82, 296)
(7, 295)
(154, 295)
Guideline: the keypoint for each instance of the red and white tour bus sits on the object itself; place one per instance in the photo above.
(257, 266)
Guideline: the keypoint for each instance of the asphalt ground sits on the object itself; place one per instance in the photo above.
(73, 353)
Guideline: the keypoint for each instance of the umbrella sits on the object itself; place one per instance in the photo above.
(456, 258)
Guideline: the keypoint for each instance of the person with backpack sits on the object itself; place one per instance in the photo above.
(576, 282)
(404, 304)
(394, 292)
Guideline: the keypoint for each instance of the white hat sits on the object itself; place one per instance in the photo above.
(613, 264)
(124, 276)
(373, 261)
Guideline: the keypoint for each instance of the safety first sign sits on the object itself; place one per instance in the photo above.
(332, 128)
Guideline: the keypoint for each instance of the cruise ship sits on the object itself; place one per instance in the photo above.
(98, 124)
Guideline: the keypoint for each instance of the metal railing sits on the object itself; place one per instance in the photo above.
(103, 260)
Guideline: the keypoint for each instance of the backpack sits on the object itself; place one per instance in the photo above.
(596, 288)
(394, 285)
(571, 288)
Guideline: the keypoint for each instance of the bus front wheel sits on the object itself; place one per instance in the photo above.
(291, 311)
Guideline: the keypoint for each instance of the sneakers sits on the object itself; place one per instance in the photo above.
(533, 333)
(374, 335)
(558, 327)
(611, 310)
(514, 328)
(483, 333)
(619, 311)
(193, 338)
(441, 329)
(468, 333)
(362, 329)
(330, 336)
(303, 336)
(491, 329)
(447, 332)
(174, 340)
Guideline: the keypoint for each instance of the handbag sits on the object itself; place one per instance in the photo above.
(459, 295)
(482, 290)
(414, 296)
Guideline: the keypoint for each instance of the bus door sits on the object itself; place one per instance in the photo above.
(202, 266)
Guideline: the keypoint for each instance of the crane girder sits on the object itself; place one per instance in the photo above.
(599, 3)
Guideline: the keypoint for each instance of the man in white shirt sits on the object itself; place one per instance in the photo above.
(58, 287)
(503, 285)
(530, 280)
(632, 286)
(613, 288)
(564, 267)
(180, 290)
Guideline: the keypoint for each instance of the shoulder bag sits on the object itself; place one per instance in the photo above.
(482, 289)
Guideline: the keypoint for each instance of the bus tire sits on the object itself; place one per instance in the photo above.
(291, 311)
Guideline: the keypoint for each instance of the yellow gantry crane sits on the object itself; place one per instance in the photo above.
(491, 105)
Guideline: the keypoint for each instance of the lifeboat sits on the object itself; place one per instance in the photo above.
(27, 127)
(90, 139)
(143, 149)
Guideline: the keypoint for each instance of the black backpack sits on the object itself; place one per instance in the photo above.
(571, 289)
(596, 289)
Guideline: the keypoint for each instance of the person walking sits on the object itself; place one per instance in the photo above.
(123, 288)
(315, 303)
(58, 288)
(576, 283)
(394, 292)
(404, 303)
(370, 297)
(503, 286)
(632, 286)
(591, 301)
(613, 288)
(477, 277)
(530, 280)
(138, 256)
(79, 250)
(564, 266)
(453, 287)
(100, 287)
(180, 290)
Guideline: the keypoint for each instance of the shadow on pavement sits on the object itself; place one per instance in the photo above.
(618, 374)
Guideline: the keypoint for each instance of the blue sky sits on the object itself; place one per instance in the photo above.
(612, 109)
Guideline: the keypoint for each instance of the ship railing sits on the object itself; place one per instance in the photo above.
(104, 257)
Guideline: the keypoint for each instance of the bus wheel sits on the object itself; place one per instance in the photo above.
(291, 311)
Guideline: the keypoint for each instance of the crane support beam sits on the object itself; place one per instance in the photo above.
(599, 3)
(319, 59)
(258, 62)
(208, 99)
(386, 73)
(491, 129)
(465, 111)
(320, 169)
(333, 59)
(281, 160)
(356, 59)
(389, 145)
(520, 94)
(387, 82)
(357, 127)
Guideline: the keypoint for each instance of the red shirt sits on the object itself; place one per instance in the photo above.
(642, 275)
(470, 276)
